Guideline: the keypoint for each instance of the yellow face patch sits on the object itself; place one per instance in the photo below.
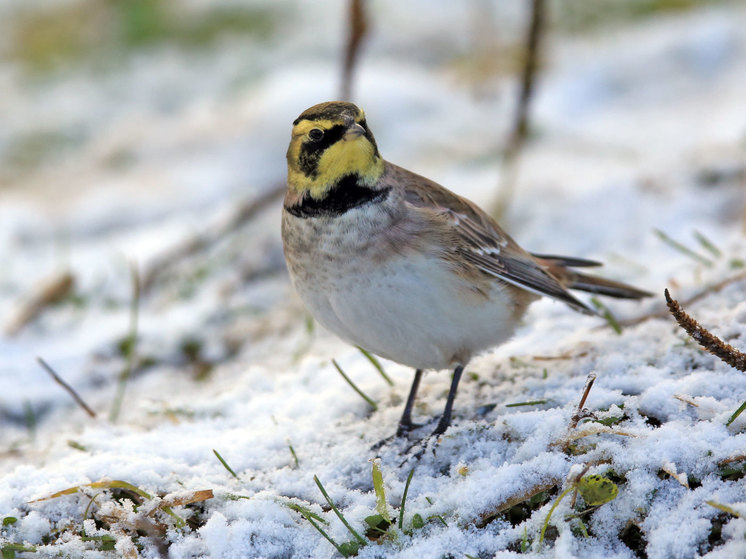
(320, 154)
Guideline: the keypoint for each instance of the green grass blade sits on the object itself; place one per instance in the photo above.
(377, 364)
(707, 244)
(292, 452)
(323, 533)
(225, 464)
(130, 347)
(354, 387)
(381, 506)
(606, 313)
(736, 413)
(404, 499)
(531, 403)
(682, 249)
(352, 531)
(551, 510)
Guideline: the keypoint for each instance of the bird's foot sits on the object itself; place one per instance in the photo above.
(402, 432)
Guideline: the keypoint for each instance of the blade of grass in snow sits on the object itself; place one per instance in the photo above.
(352, 531)
(377, 364)
(708, 245)
(606, 313)
(130, 347)
(115, 484)
(551, 510)
(310, 516)
(439, 517)
(299, 509)
(292, 452)
(404, 499)
(531, 403)
(381, 506)
(725, 508)
(736, 413)
(354, 387)
(682, 249)
(225, 464)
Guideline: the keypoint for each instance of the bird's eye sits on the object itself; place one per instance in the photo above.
(316, 134)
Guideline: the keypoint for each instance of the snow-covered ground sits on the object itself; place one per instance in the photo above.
(639, 126)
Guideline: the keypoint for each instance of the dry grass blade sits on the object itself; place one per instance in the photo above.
(70, 390)
(723, 351)
(681, 477)
(47, 294)
(596, 429)
(580, 413)
(486, 517)
(120, 484)
(181, 499)
(357, 28)
(725, 508)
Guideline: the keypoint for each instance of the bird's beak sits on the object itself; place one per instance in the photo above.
(353, 132)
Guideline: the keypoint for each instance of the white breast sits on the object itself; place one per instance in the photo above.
(409, 307)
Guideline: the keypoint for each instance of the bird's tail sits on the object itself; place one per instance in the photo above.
(560, 267)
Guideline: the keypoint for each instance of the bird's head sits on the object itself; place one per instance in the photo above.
(331, 141)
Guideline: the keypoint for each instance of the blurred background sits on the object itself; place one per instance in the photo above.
(142, 161)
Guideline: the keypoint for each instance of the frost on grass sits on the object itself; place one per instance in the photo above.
(231, 389)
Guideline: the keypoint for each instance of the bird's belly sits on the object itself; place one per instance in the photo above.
(412, 309)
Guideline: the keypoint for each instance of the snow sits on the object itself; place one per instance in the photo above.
(639, 126)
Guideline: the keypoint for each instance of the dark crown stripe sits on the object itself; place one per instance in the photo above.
(327, 111)
(345, 195)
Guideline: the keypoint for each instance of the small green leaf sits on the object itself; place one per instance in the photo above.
(597, 490)
(609, 421)
(8, 520)
(417, 521)
(349, 549)
(374, 520)
(378, 526)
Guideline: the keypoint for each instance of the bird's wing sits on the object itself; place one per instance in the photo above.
(473, 238)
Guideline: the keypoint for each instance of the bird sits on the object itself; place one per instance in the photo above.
(398, 265)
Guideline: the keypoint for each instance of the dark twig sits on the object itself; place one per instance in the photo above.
(246, 211)
(357, 28)
(70, 390)
(723, 351)
(581, 411)
(521, 126)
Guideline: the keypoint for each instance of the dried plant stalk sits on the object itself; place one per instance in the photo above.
(723, 351)
(356, 31)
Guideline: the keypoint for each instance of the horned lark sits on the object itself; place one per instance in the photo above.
(402, 267)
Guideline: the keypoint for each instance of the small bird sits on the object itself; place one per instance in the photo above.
(400, 266)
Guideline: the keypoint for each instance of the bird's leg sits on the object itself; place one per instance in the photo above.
(405, 423)
(445, 419)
